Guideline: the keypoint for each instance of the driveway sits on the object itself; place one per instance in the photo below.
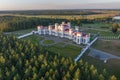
(56, 40)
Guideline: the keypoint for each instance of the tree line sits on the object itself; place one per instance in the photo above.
(22, 60)
(12, 23)
(52, 12)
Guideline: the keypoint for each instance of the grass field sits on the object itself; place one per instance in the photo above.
(112, 47)
(65, 50)
(103, 29)
(48, 42)
(26, 30)
(112, 66)
(97, 25)
(102, 33)
(34, 39)
(21, 32)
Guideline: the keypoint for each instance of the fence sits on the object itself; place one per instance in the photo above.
(25, 35)
(85, 49)
(110, 37)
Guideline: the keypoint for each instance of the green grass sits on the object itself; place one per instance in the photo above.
(65, 50)
(48, 42)
(103, 33)
(97, 25)
(112, 47)
(34, 39)
(21, 32)
(112, 66)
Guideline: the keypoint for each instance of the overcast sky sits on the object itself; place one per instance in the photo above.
(58, 4)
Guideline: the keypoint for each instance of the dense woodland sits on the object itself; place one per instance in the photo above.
(52, 12)
(22, 60)
(12, 23)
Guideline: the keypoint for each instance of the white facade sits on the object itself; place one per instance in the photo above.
(116, 18)
(64, 30)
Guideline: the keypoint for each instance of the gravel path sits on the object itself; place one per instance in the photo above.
(101, 55)
(57, 40)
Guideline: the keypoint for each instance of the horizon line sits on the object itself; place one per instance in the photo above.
(61, 9)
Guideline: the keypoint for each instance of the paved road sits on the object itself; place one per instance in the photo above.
(101, 55)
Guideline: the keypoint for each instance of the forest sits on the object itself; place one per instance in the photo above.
(51, 12)
(22, 60)
(13, 23)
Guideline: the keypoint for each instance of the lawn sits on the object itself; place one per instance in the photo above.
(112, 66)
(21, 32)
(103, 29)
(65, 50)
(34, 39)
(112, 47)
(102, 33)
(97, 25)
(48, 42)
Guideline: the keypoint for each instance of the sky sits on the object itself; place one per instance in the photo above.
(58, 4)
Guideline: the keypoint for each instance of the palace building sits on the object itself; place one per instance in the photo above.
(64, 30)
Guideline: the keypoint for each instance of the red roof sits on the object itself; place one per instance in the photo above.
(84, 35)
(65, 25)
(53, 28)
(67, 30)
(78, 33)
(74, 33)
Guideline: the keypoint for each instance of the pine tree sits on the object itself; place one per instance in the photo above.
(101, 77)
(34, 76)
(113, 77)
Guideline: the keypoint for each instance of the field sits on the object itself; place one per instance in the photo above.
(48, 42)
(64, 14)
(102, 33)
(34, 39)
(25, 31)
(20, 32)
(112, 66)
(65, 50)
(112, 47)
